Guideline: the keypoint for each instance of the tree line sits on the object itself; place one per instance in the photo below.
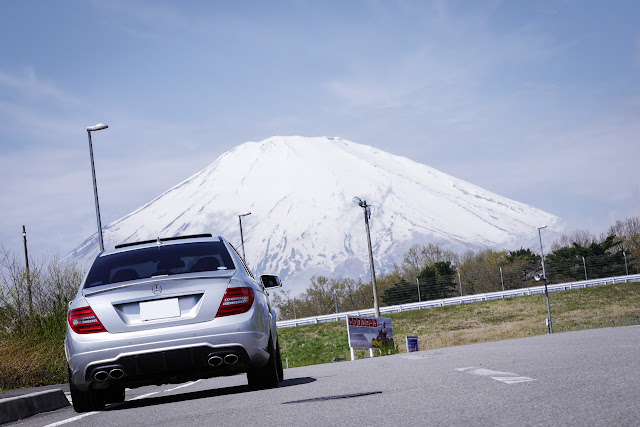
(36, 300)
(430, 272)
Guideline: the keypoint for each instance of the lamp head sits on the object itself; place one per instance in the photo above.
(99, 126)
(541, 227)
(357, 200)
(245, 214)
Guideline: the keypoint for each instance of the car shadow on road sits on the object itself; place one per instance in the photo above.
(202, 394)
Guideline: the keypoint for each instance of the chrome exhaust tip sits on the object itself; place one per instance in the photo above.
(215, 361)
(116, 373)
(101, 376)
(230, 359)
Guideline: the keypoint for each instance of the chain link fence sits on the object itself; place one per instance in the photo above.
(512, 276)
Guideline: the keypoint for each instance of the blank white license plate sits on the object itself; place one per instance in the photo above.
(160, 309)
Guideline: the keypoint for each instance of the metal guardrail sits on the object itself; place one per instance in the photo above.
(459, 300)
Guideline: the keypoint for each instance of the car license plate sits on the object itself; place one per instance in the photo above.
(159, 309)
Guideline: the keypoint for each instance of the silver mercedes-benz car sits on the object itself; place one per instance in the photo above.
(168, 311)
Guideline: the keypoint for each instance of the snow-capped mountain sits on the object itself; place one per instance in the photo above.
(303, 222)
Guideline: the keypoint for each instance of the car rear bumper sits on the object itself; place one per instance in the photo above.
(164, 361)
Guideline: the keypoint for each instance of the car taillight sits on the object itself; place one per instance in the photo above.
(235, 301)
(84, 321)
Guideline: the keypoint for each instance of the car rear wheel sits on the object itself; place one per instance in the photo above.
(279, 363)
(267, 376)
(114, 394)
(85, 401)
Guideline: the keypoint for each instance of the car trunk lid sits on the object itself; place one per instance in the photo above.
(159, 302)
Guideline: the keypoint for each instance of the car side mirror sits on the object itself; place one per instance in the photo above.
(271, 281)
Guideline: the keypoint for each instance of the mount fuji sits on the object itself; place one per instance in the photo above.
(299, 191)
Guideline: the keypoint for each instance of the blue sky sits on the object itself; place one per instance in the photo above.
(537, 101)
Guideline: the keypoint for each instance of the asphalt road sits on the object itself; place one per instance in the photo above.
(590, 377)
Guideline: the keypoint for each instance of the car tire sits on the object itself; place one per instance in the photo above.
(86, 401)
(267, 376)
(114, 394)
(279, 363)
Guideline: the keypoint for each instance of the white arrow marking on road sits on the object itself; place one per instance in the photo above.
(505, 377)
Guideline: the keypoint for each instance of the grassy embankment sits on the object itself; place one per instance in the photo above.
(32, 360)
(602, 306)
(38, 359)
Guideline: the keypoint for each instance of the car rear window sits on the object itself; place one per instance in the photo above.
(159, 260)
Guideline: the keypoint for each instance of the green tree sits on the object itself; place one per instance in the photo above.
(519, 268)
(437, 280)
(480, 272)
(402, 292)
(600, 259)
(419, 256)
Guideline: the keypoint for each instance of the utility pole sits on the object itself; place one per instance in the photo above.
(544, 277)
(367, 213)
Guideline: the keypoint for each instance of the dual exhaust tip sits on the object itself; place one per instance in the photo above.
(118, 373)
(113, 374)
(216, 360)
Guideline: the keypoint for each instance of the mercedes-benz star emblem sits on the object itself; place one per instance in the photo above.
(157, 289)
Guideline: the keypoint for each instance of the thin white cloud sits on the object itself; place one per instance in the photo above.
(156, 21)
(29, 84)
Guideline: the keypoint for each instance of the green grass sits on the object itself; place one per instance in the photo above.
(602, 306)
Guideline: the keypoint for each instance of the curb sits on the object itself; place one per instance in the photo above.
(19, 407)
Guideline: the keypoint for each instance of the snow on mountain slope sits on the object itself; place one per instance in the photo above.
(299, 191)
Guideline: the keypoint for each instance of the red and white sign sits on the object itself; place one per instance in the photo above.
(363, 321)
(370, 332)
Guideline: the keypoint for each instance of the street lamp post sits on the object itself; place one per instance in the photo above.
(626, 269)
(90, 129)
(367, 213)
(584, 264)
(418, 282)
(26, 260)
(544, 277)
(241, 235)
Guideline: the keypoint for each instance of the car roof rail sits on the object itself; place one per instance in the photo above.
(163, 239)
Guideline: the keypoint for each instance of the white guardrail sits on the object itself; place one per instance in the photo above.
(459, 300)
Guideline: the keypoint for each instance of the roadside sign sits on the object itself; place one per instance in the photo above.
(370, 332)
(412, 344)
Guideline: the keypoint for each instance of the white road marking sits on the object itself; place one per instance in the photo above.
(86, 414)
(413, 357)
(513, 380)
(70, 420)
(505, 377)
(183, 385)
(142, 396)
